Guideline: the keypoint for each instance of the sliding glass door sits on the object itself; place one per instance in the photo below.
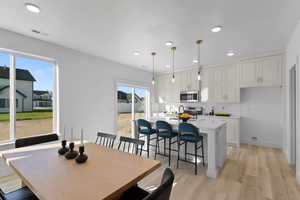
(26, 96)
(133, 104)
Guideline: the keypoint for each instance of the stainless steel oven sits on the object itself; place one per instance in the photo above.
(189, 96)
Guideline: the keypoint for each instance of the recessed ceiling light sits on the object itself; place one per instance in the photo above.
(195, 61)
(136, 53)
(168, 66)
(32, 8)
(230, 53)
(36, 31)
(169, 43)
(216, 29)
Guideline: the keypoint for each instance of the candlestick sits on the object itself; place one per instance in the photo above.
(81, 137)
(72, 134)
(64, 136)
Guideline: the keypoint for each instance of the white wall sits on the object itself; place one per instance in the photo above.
(261, 116)
(87, 83)
(293, 51)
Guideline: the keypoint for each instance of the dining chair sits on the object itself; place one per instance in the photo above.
(164, 132)
(105, 139)
(188, 133)
(144, 129)
(38, 139)
(23, 193)
(162, 192)
(131, 145)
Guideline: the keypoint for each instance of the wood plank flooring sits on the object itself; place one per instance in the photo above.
(249, 173)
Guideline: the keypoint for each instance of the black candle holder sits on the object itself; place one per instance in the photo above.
(72, 153)
(82, 157)
(64, 149)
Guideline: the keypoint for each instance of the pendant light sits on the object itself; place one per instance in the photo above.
(173, 63)
(153, 80)
(198, 42)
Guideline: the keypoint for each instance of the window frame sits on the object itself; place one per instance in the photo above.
(12, 91)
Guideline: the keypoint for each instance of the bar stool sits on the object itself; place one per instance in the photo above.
(144, 128)
(163, 132)
(188, 133)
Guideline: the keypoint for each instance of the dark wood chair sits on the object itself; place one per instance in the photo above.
(163, 191)
(131, 145)
(20, 194)
(105, 139)
(39, 139)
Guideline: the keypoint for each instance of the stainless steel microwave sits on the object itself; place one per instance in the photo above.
(189, 96)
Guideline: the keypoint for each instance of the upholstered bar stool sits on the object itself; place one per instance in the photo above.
(188, 133)
(144, 129)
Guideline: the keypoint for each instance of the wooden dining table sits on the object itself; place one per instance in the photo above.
(106, 174)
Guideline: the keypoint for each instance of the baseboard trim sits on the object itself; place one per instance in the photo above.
(264, 144)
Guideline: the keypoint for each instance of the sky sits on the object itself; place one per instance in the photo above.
(42, 71)
(139, 91)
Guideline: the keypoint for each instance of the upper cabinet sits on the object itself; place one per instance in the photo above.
(261, 72)
(220, 84)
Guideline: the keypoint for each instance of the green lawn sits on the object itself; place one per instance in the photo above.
(36, 114)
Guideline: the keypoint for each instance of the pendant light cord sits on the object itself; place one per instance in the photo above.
(173, 59)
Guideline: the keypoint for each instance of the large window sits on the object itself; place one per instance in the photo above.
(30, 82)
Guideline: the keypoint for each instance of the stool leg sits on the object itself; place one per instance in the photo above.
(164, 146)
(202, 149)
(156, 147)
(178, 143)
(185, 150)
(148, 144)
(170, 151)
(195, 158)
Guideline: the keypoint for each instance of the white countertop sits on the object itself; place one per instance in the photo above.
(199, 116)
(202, 124)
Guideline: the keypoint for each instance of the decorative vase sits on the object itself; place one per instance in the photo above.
(64, 149)
(72, 153)
(82, 157)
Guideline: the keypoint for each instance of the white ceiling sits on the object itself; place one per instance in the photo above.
(113, 29)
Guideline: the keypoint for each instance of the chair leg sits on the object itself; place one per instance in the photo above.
(178, 143)
(170, 151)
(202, 149)
(148, 145)
(195, 158)
(156, 147)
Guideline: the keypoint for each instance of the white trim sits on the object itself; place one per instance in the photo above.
(12, 96)
(56, 107)
(28, 55)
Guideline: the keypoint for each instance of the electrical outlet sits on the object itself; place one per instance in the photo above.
(254, 139)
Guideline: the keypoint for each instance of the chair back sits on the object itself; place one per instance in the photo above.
(143, 125)
(163, 126)
(105, 139)
(39, 139)
(131, 145)
(163, 191)
(187, 129)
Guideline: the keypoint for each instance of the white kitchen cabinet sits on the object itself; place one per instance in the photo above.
(220, 84)
(233, 131)
(232, 128)
(261, 72)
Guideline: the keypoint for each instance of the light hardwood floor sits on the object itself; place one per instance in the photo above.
(249, 173)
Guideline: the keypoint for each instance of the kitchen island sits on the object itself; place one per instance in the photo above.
(216, 141)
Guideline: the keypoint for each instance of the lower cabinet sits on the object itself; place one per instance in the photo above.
(233, 132)
(232, 129)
